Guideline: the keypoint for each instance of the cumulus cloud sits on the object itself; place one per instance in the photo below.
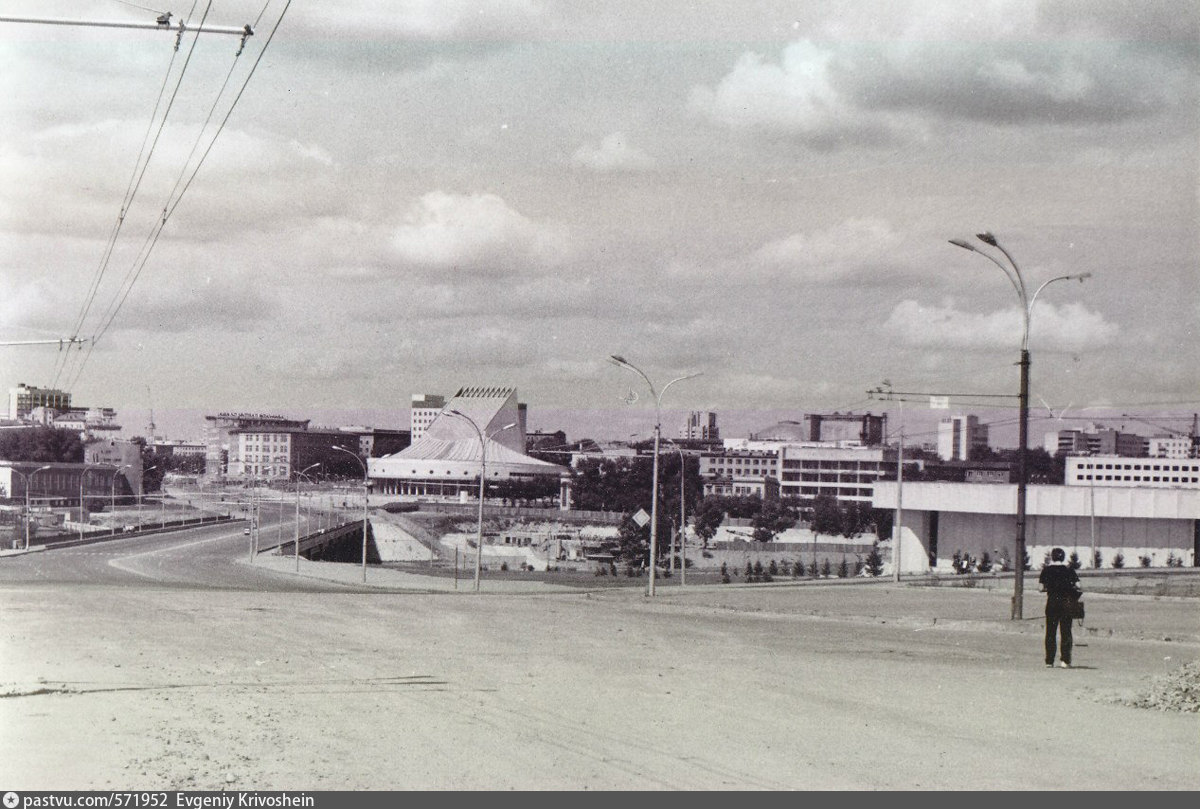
(614, 153)
(476, 232)
(795, 96)
(843, 250)
(867, 81)
(1070, 327)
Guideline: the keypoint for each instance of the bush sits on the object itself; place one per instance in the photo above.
(843, 570)
(1145, 560)
(825, 569)
(797, 569)
(874, 563)
(1074, 562)
(1097, 559)
(724, 574)
(750, 572)
(504, 565)
(1118, 561)
(1173, 560)
(773, 569)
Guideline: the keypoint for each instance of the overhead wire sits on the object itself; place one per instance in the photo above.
(174, 199)
(131, 189)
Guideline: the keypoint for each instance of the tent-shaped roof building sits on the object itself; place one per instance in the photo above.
(447, 458)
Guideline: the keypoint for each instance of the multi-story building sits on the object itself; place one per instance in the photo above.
(426, 408)
(123, 456)
(700, 427)
(24, 398)
(221, 446)
(1121, 470)
(1096, 441)
(801, 469)
(1172, 446)
(961, 438)
(276, 454)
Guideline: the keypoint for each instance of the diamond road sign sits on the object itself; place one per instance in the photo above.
(641, 518)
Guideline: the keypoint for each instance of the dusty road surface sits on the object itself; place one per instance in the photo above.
(802, 687)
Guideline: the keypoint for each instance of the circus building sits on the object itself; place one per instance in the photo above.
(446, 460)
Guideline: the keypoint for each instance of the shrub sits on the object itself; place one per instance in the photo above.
(874, 563)
(1173, 560)
(601, 571)
(1074, 562)
(629, 571)
(825, 569)
(1097, 559)
(750, 572)
(773, 569)
(1118, 561)
(504, 565)
(797, 569)
(858, 566)
(843, 570)
(724, 573)
(1145, 560)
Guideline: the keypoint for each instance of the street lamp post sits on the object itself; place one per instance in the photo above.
(624, 363)
(483, 439)
(1013, 272)
(28, 476)
(296, 546)
(366, 491)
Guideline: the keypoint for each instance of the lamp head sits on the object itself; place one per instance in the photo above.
(618, 359)
(965, 245)
(987, 238)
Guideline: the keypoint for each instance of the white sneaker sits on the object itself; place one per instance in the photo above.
(1064, 664)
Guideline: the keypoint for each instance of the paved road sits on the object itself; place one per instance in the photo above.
(208, 558)
(167, 663)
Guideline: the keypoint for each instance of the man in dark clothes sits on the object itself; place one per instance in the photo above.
(1061, 586)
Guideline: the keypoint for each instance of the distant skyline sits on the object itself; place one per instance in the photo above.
(415, 196)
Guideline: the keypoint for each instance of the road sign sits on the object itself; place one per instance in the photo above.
(641, 518)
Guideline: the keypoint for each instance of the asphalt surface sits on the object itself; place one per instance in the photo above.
(169, 662)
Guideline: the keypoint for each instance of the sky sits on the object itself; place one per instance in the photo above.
(414, 196)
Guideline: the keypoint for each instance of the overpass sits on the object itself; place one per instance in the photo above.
(341, 543)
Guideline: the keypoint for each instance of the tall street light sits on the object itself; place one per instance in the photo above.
(296, 546)
(483, 439)
(624, 363)
(366, 489)
(1013, 273)
(28, 476)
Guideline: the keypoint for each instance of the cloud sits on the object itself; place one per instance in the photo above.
(1067, 328)
(613, 154)
(479, 233)
(794, 97)
(846, 249)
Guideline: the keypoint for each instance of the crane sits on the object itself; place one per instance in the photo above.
(1193, 433)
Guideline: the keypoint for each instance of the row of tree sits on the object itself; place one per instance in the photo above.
(623, 485)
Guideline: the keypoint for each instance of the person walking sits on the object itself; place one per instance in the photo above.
(1060, 583)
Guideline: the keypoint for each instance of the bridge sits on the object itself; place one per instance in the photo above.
(341, 543)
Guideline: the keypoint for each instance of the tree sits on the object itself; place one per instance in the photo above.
(41, 445)
(826, 515)
(874, 563)
(774, 518)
